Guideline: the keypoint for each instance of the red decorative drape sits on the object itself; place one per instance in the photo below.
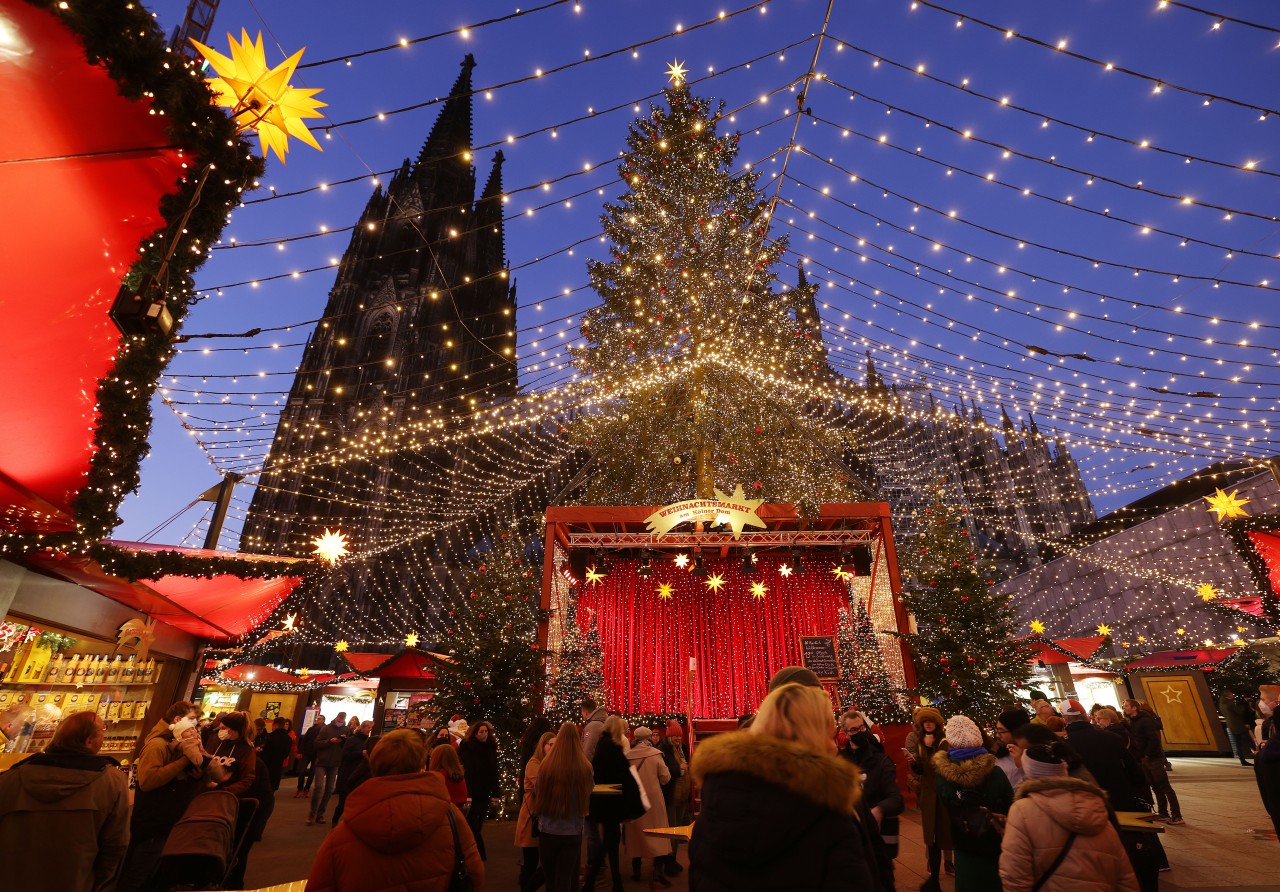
(739, 641)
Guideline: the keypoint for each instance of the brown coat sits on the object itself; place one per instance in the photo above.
(647, 760)
(528, 807)
(1045, 813)
(933, 819)
(395, 835)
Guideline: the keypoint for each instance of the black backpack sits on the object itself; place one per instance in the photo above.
(972, 829)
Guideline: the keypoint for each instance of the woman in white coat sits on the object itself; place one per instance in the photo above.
(647, 760)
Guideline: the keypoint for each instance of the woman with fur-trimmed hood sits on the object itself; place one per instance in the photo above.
(977, 796)
(778, 805)
(1060, 834)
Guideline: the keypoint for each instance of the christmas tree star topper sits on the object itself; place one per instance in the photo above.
(676, 73)
(1227, 505)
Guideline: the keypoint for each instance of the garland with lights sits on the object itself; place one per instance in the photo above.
(134, 565)
(125, 39)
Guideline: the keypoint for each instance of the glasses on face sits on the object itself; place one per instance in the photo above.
(1002, 732)
(857, 729)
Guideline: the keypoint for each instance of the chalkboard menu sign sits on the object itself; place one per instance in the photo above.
(818, 652)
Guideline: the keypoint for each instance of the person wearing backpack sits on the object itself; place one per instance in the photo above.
(976, 795)
(1060, 836)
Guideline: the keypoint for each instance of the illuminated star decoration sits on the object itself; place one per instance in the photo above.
(838, 571)
(330, 547)
(1207, 592)
(289, 621)
(758, 590)
(1103, 629)
(664, 591)
(682, 561)
(675, 73)
(715, 582)
(1227, 505)
(260, 98)
(411, 640)
(1037, 627)
(1181, 631)
(341, 647)
(594, 576)
(1142, 638)
(784, 569)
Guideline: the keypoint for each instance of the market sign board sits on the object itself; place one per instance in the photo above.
(736, 511)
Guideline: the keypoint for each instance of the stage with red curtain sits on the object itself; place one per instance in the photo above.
(738, 640)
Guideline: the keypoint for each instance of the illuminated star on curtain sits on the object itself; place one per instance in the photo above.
(1037, 627)
(715, 582)
(664, 591)
(676, 73)
(342, 647)
(260, 98)
(594, 576)
(784, 569)
(1103, 629)
(411, 640)
(1227, 505)
(838, 571)
(682, 561)
(1207, 592)
(758, 590)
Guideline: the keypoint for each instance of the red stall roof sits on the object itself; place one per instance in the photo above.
(1203, 658)
(408, 663)
(1077, 650)
(270, 675)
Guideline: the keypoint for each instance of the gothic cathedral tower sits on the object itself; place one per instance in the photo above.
(418, 331)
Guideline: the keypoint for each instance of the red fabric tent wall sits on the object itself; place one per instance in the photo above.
(1268, 547)
(738, 641)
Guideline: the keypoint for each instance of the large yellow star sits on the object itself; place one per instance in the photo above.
(1180, 631)
(715, 582)
(411, 640)
(1227, 505)
(664, 591)
(682, 561)
(1142, 639)
(259, 97)
(785, 570)
(330, 547)
(594, 576)
(1207, 592)
(675, 73)
(1103, 629)
(758, 590)
(743, 513)
(342, 647)
(1037, 627)
(1171, 695)
(838, 571)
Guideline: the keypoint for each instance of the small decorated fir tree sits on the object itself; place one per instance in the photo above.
(580, 672)
(965, 655)
(864, 682)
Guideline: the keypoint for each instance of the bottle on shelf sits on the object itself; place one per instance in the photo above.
(100, 677)
(149, 672)
(126, 674)
(82, 669)
(69, 671)
(113, 671)
(54, 673)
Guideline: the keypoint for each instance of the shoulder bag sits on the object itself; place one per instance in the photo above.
(1057, 862)
(460, 878)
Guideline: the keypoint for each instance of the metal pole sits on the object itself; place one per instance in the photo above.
(228, 484)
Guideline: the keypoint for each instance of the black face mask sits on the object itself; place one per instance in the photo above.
(862, 739)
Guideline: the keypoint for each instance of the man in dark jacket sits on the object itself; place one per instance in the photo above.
(880, 792)
(306, 767)
(329, 743)
(1150, 753)
(275, 752)
(64, 813)
(353, 754)
(1236, 715)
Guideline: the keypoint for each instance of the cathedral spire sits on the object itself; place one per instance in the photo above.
(807, 307)
(1005, 421)
(451, 135)
(490, 235)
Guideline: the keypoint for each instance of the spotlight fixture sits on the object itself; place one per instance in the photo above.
(797, 562)
(142, 310)
(748, 561)
(862, 560)
(646, 565)
(699, 568)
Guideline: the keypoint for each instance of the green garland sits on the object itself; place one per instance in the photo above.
(124, 38)
(134, 565)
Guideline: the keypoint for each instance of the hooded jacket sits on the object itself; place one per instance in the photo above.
(976, 859)
(167, 782)
(1045, 812)
(68, 816)
(879, 786)
(395, 835)
(775, 816)
(933, 821)
(591, 732)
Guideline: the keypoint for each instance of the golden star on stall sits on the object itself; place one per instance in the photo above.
(715, 582)
(1227, 505)
(594, 577)
(330, 547)
(784, 569)
(1171, 695)
(682, 561)
(664, 591)
(758, 590)
(1207, 592)
(1037, 627)
(1103, 629)
(411, 640)
(676, 73)
(342, 647)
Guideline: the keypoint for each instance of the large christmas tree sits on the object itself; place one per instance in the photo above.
(580, 670)
(864, 682)
(491, 638)
(966, 658)
(702, 372)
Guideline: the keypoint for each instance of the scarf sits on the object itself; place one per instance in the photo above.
(959, 755)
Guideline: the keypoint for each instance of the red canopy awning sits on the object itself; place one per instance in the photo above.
(268, 675)
(83, 174)
(1064, 650)
(408, 663)
(218, 609)
(1203, 658)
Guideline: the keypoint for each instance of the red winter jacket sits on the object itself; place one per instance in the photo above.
(395, 835)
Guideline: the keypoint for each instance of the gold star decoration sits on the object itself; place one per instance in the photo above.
(411, 640)
(289, 621)
(1239, 628)
(715, 582)
(1171, 695)
(304, 672)
(1124, 643)
(260, 98)
(1103, 629)
(330, 547)
(664, 591)
(1207, 592)
(1181, 631)
(1227, 505)
(1240, 642)
(342, 647)
(1142, 639)
(682, 561)
(676, 73)
(838, 571)
(758, 590)
(1037, 627)
(594, 577)
(785, 570)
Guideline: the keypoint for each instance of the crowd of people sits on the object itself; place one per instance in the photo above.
(796, 799)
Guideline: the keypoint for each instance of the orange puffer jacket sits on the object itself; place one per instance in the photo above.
(395, 834)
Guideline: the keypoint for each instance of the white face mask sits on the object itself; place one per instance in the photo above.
(224, 734)
(182, 726)
(1264, 707)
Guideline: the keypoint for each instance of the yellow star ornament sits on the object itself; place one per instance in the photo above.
(682, 561)
(330, 547)
(838, 571)
(1227, 505)
(1103, 629)
(758, 590)
(260, 98)
(411, 640)
(664, 592)
(1037, 627)
(715, 582)
(342, 647)
(1207, 592)
(594, 577)
(676, 73)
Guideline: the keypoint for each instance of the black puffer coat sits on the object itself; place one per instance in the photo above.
(879, 787)
(1111, 764)
(610, 766)
(775, 816)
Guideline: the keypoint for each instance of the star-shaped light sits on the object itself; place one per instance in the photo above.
(1227, 505)
(1037, 627)
(411, 640)
(664, 591)
(1103, 629)
(682, 561)
(838, 571)
(1142, 639)
(758, 590)
(1124, 643)
(1181, 631)
(784, 569)
(1207, 592)
(260, 98)
(330, 547)
(289, 621)
(676, 73)
(1240, 642)
(715, 582)
(304, 672)
(594, 577)
(1239, 628)
(342, 647)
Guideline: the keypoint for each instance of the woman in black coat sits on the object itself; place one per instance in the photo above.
(479, 755)
(778, 806)
(610, 765)
(880, 791)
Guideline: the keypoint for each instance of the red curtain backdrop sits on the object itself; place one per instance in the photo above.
(738, 641)
(1268, 547)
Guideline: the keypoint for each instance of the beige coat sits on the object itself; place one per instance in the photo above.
(652, 768)
(524, 821)
(1045, 812)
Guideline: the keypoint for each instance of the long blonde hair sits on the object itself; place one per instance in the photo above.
(616, 727)
(800, 713)
(564, 777)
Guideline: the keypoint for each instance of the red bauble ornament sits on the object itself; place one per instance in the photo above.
(757, 485)
(482, 568)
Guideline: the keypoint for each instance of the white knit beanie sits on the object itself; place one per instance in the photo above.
(962, 733)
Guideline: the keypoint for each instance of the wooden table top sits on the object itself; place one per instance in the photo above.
(680, 833)
(1139, 820)
(607, 789)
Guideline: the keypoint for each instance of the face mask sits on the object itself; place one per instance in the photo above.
(182, 726)
(861, 739)
(1264, 707)
(224, 734)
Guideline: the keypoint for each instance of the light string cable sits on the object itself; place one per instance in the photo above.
(1217, 16)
